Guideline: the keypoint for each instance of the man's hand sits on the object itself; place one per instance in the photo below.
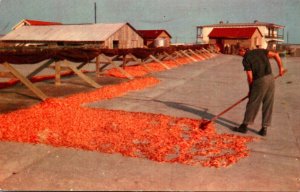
(281, 71)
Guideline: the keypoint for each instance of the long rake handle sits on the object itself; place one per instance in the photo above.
(229, 108)
(238, 102)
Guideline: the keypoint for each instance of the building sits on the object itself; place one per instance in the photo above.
(102, 35)
(230, 39)
(272, 34)
(29, 22)
(156, 38)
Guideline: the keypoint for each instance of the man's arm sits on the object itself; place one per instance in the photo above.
(250, 79)
(277, 58)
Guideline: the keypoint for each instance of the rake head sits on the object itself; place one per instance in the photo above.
(203, 125)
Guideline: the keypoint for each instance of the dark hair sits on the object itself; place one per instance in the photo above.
(244, 49)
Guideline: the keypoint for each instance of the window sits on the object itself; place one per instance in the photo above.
(115, 44)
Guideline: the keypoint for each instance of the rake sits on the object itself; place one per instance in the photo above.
(205, 122)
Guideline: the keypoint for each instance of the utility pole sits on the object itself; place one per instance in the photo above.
(95, 11)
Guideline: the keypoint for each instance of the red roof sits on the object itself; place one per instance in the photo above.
(152, 34)
(233, 33)
(36, 22)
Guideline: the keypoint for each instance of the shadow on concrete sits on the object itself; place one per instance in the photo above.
(202, 113)
(20, 94)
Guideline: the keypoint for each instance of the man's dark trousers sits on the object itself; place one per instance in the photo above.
(262, 91)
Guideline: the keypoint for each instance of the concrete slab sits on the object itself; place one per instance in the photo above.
(15, 158)
(199, 90)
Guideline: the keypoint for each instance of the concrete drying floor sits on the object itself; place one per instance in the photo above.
(199, 90)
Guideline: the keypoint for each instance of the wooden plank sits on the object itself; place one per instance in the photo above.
(81, 65)
(187, 55)
(207, 52)
(6, 74)
(158, 61)
(172, 58)
(179, 54)
(161, 57)
(117, 67)
(114, 58)
(40, 68)
(127, 58)
(194, 53)
(146, 67)
(141, 62)
(124, 62)
(102, 62)
(200, 52)
(82, 75)
(134, 57)
(104, 66)
(166, 56)
(57, 73)
(25, 81)
(122, 70)
(106, 62)
(62, 68)
(97, 66)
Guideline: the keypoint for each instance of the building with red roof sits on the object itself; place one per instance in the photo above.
(155, 38)
(29, 22)
(230, 39)
(272, 34)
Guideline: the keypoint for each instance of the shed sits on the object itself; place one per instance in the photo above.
(103, 35)
(156, 38)
(230, 39)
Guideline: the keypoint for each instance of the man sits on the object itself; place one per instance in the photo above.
(261, 86)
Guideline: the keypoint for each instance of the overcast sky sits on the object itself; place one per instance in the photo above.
(179, 17)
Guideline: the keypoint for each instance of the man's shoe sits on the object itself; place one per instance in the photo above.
(263, 131)
(242, 128)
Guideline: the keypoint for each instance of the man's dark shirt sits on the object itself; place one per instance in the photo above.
(258, 62)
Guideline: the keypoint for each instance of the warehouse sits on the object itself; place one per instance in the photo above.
(102, 35)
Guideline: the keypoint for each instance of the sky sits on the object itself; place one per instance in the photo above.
(178, 17)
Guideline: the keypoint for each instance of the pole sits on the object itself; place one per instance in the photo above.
(95, 7)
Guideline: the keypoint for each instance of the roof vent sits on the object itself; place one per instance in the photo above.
(221, 22)
(255, 21)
